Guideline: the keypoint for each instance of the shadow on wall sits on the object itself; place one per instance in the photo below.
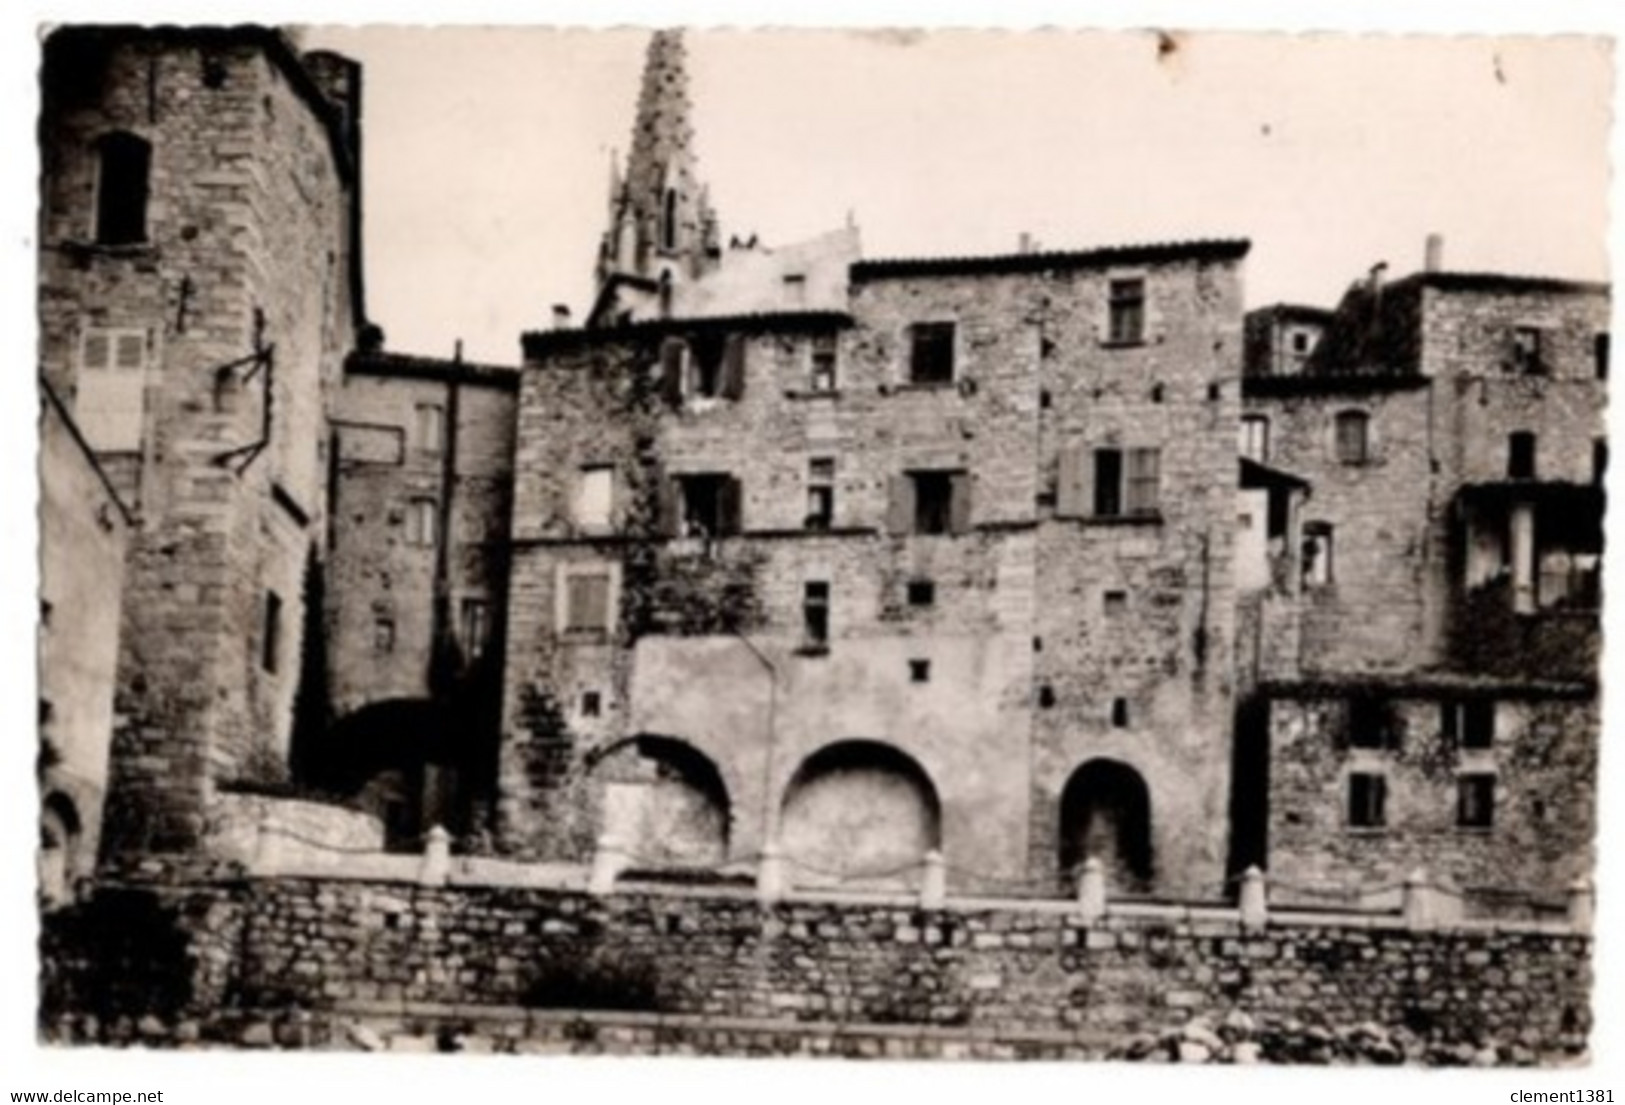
(859, 813)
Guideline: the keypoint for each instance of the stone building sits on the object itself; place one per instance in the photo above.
(199, 288)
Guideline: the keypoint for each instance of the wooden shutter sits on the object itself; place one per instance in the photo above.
(959, 503)
(733, 367)
(1069, 492)
(671, 370)
(900, 507)
(670, 506)
(729, 497)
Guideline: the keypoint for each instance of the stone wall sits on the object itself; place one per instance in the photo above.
(300, 830)
(309, 951)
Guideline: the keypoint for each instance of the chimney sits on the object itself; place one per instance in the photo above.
(1433, 254)
(561, 316)
(1024, 244)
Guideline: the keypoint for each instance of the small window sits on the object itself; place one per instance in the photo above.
(1526, 359)
(931, 353)
(1127, 312)
(815, 614)
(1475, 801)
(586, 606)
(933, 502)
(820, 493)
(1353, 437)
(421, 523)
(110, 396)
(122, 185)
(1367, 801)
(1114, 604)
(1046, 697)
(1119, 713)
(594, 497)
(1255, 437)
(823, 363)
(1599, 353)
(1317, 554)
(1521, 455)
(271, 633)
(668, 221)
(1370, 723)
(709, 505)
(431, 427)
(922, 592)
(383, 635)
(1470, 723)
(919, 671)
(1300, 341)
(592, 704)
(476, 627)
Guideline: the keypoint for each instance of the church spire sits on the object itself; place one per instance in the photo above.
(661, 226)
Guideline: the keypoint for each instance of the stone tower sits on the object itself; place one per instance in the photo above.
(661, 226)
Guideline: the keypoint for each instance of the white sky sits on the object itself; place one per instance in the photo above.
(487, 152)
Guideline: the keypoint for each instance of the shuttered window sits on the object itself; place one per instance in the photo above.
(109, 400)
(586, 601)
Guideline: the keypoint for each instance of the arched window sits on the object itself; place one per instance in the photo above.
(1353, 437)
(668, 220)
(124, 165)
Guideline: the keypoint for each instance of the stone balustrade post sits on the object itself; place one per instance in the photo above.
(770, 873)
(1254, 899)
(436, 867)
(1418, 901)
(1582, 905)
(933, 881)
(1092, 889)
(267, 854)
(608, 861)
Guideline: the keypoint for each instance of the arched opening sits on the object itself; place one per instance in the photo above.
(663, 801)
(859, 812)
(60, 834)
(668, 220)
(125, 162)
(1250, 786)
(1106, 813)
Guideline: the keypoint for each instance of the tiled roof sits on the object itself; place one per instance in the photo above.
(1329, 383)
(431, 368)
(537, 342)
(1227, 249)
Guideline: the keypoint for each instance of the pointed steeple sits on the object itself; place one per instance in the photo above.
(660, 219)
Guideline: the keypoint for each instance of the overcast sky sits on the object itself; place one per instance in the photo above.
(487, 153)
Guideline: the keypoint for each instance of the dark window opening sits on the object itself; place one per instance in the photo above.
(922, 592)
(1317, 554)
(122, 187)
(1367, 801)
(1215, 392)
(1370, 723)
(931, 353)
(1526, 352)
(820, 493)
(592, 704)
(710, 505)
(1119, 713)
(1599, 350)
(1599, 461)
(476, 627)
(1114, 603)
(1127, 482)
(1353, 437)
(1156, 393)
(919, 671)
(823, 363)
(1521, 455)
(815, 614)
(271, 632)
(1475, 801)
(1046, 696)
(708, 352)
(933, 502)
(1127, 311)
(1108, 482)
(668, 220)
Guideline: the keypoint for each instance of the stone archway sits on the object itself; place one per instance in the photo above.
(859, 813)
(406, 760)
(1106, 813)
(61, 837)
(664, 801)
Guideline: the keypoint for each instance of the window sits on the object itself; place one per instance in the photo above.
(1119, 713)
(110, 396)
(668, 220)
(709, 505)
(1255, 437)
(1526, 357)
(1475, 801)
(122, 184)
(1371, 723)
(586, 601)
(1599, 353)
(1126, 324)
(707, 366)
(1300, 341)
(271, 632)
(1367, 801)
(919, 671)
(592, 704)
(1131, 489)
(931, 354)
(1599, 461)
(823, 363)
(1114, 603)
(929, 502)
(1317, 554)
(1353, 433)
(820, 493)
(594, 497)
(922, 592)
(383, 635)
(815, 614)
(1521, 455)
(933, 502)
(1469, 723)
(431, 427)
(421, 523)
(476, 627)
